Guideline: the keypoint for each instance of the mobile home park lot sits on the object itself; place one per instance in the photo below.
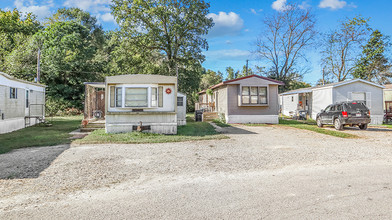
(264, 172)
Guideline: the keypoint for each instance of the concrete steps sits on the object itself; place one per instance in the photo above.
(92, 126)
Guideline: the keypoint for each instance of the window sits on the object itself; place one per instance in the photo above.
(332, 108)
(119, 97)
(13, 93)
(154, 97)
(292, 98)
(180, 101)
(136, 97)
(245, 95)
(254, 95)
(263, 95)
(27, 98)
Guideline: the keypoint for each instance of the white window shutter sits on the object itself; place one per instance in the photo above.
(349, 96)
(369, 100)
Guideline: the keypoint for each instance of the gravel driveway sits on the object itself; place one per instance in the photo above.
(260, 173)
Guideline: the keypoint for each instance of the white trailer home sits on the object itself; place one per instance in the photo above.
(147, 102)
(313, 99)
(22, 103)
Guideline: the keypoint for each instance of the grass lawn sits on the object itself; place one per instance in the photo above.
(192, 131)
(36, 136)
(220, 123)
(311, 126)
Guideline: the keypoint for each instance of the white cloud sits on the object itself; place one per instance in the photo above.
(232, 54)
(228, 42)
(279, 5)
(304, 5)
(333, 4)
(89, 5)
(99, 8)
(107, 17)
(225, 24)
(254, 11)
(41, 11)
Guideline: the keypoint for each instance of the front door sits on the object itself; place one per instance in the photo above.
(101, 101)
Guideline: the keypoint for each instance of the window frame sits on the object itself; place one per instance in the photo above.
(182, 101)
(258, 95)
(13, 93)
(150, 89)
(148, 98)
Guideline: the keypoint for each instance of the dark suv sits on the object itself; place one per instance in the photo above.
(345, 113)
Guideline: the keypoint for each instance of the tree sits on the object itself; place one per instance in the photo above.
(15, 29)
(284, 40)
(230, 73)
(210, 78)
(67, 54)
(174, 28)
(82, 17)
(341, 46)
(373, 65)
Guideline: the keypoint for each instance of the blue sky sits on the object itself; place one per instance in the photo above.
(237, 24)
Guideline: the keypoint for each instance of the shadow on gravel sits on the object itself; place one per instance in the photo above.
(28, 162)
(235, 130)
(369, 129)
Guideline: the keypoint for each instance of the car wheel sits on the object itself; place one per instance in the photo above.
(363, 126)
(338, 124)
(319, 124)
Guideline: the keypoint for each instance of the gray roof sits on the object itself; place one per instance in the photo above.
(310, 89)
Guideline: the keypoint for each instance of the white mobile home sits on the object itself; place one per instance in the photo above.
(22, 103)
(147, 102)
(313, 99)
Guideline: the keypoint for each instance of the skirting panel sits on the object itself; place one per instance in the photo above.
(158, 128)
(253, 119)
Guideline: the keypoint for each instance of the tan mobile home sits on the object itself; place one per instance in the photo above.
(22, 103)
(147, 101)
(250, 99)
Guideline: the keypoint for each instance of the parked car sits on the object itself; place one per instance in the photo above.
(345, 113)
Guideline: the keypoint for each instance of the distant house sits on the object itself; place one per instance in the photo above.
(250, 99)
(131, 102)
(22, 103)
(313, 99)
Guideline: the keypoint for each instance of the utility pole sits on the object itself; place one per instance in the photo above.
(247, 67)
(38, 65)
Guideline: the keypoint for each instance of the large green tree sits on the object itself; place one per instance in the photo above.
(15, 29)
(67, 54)
(173, 28)
(210, 78)
(373, 64)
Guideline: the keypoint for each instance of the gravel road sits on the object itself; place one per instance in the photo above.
(260, 173)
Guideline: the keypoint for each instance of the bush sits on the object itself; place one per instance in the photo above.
(60, 107)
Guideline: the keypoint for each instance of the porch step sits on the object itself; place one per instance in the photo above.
(89, 129)
(209, 116)
(95, 125)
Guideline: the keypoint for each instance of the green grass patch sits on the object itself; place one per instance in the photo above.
(193, 131)
(310, 125)
(37, 135)
(220, 123)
